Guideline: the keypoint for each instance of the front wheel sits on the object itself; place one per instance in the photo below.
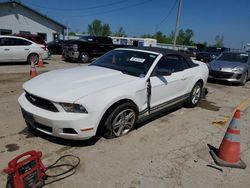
(195, 95)
(84, 57)
(120, 121)
(244, 81)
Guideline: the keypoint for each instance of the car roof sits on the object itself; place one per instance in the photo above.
(16, 37)
(163, 51)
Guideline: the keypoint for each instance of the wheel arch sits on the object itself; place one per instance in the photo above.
(32, 53)
(111, 108)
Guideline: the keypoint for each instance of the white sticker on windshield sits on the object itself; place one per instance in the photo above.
(137, 59)
(245, 55)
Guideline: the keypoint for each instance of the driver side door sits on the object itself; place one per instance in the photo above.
(170, 89)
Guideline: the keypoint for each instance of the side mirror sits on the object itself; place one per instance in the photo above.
(164, 72)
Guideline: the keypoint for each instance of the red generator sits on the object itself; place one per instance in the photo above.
(26, 171)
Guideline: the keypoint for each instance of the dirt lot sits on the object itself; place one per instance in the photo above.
(168, 151)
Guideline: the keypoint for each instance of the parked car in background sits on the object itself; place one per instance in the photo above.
(17, 49)
(122, 87)
(35, 38)
(210, 53)
(87, 48)
(55, 47)
(231, 66)
(192, 52)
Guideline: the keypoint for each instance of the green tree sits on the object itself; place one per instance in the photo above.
(161, 38)
(219, 41)
(147, 36)
(184, 37)
(120, 32)
(106, 30)
(72, 33)
(96, 28)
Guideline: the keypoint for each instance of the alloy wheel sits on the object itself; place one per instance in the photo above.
(123, 122)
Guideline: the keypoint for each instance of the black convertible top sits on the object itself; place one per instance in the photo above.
(164, 52)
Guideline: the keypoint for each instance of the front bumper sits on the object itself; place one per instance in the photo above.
(45, 55)
(226, 76)
(59, 124)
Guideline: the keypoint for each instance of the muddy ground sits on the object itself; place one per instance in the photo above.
(170, 150)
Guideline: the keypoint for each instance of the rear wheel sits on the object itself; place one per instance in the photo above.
(120, 121)
(244, 81)
(33, 58)
(195, 95)
(84, 57)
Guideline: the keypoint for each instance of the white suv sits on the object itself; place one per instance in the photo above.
(17, 49)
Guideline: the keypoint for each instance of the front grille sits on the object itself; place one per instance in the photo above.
(40, 102)
(219, 74)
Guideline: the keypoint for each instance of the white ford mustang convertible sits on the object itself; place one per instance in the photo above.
(122, 87)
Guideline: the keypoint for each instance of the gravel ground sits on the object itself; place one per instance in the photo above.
(170, 150)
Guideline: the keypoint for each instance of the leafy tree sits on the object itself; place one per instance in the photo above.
(184, 37)
(120, 32)
(72, 33)
(219, 41)
(106, 30)
(161, 38)
(147, 36)
(96, 28)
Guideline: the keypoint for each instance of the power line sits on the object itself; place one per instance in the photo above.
(77, 9)
(165, 18)
(106, 12)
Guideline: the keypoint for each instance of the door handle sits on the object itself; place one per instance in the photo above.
(26, 49)
(6, 49)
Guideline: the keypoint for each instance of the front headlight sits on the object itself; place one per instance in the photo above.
(237, 69)
(76, 108)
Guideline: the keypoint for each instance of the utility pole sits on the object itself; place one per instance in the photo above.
(176, 33)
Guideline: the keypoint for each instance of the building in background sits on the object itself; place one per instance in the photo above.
(134, 41)
(15, 17)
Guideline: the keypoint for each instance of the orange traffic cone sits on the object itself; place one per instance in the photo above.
(40, 61)
(33, 72)
(228, 154)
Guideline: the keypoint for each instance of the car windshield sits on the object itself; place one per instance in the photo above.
(234, 57)
(135, 63)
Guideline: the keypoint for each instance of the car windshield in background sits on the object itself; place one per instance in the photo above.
(130, 62)
(234, 57)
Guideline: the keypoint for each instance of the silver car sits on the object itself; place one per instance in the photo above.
(231, 66)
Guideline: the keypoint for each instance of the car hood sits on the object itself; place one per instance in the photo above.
(217, 65)
(69, 85)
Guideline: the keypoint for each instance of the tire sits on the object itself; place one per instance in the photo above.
(84, 57)
(33, 57)
(244, 81)
(120, 121)
(195, 95)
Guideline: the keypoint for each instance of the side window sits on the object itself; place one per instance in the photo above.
(19, 42)
(3, 41)
(174, 63)
(184, 63)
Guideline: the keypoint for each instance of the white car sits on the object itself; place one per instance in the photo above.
(17, 49)
(120, 88)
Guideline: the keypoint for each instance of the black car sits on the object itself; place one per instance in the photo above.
(210, 53)
(55, 47)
